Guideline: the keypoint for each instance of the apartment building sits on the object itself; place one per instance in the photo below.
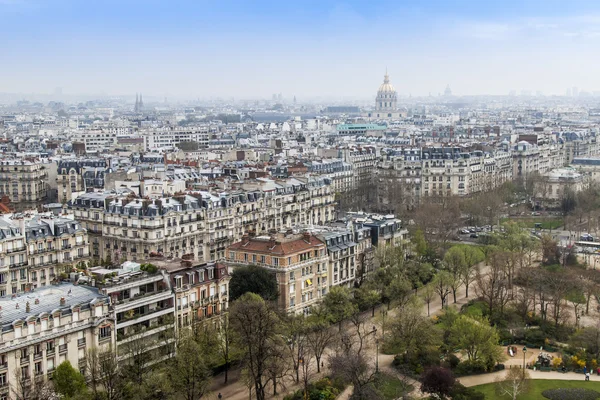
(53, 245)
(201, 290)
(96, 140)
(169, 137)
(24, 181)
(342, 252)
(142, 309)
(47, 327)
(299, 262)
(364, 163)
(124, 227)
(448, 171)
(70, 177)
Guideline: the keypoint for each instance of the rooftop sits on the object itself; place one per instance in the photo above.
(14, 308)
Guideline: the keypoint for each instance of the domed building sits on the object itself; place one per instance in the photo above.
(386, 101)
(386, 96)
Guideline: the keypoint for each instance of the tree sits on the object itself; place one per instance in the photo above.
(492, 286)
(473, 256)
(412, 334)
(226, 349)
(441, 283)
(428, 292)
(188, 372)
(514, 384)
(354, 368)
(295, 339)
(253, 279)
(110, 377)
(319, 334)
(477, 339)
(366, 298)
(454, 261)
(589, 339)
(338, 304)
(258, 337)
(68, 382)
(437, 381)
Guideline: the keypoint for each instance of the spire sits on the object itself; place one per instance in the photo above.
(386, 78)
(137, 103)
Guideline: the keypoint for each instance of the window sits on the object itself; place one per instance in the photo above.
(104, 332)
(3, 380)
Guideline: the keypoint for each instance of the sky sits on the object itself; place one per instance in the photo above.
(308, 49)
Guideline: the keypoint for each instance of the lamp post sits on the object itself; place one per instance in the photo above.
(384, 314)
(524, 351)
(376, 356)
(374, 332)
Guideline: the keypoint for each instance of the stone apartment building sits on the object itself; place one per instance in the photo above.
(47, 327)
(201, 290)
(124, 227)
(70, 176)
(35, 248)
(24, 181)
(142, 308)
(299, 262)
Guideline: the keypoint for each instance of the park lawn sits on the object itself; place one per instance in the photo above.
(537, 387)
(547, 223)
(391, 387)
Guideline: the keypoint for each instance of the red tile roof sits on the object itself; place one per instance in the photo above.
(280, 248)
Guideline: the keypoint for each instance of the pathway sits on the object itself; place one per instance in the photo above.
(475, 380)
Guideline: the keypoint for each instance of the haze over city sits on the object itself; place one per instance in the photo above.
(334, 49)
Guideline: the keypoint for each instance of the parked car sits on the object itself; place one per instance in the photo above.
(474, 235)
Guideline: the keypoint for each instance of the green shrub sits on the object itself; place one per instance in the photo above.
(470, 367)
(535, 337)
(571, 394)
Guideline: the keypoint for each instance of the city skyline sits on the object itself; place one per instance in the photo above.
(307, 49)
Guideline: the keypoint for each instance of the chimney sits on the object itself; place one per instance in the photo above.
(272, 242)
(62, 301)
(306, 237)
(245, 239)
(27, 307)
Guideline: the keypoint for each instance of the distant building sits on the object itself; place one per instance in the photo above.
(386, 101)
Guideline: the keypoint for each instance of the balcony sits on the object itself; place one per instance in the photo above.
(81, 342)
(19, 264)
(15, 249)
(62, 349)
(24, 360)
(38, 356)
(66, 246)
(50, 352)
(4, 366)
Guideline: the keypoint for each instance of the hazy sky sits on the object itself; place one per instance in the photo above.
(253, 48)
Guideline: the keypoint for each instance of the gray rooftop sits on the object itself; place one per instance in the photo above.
(49, 301)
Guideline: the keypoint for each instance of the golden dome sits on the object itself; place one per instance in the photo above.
(386, 86)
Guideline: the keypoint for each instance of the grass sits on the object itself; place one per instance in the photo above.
(537, 387)
(547, 223)
(391, 387)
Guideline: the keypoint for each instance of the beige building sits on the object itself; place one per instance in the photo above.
(204, 224)
(24, 181)
(300, 264)
(45, 328)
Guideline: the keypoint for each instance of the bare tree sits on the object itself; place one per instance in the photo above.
(319, 335)
(514, 384)
(356, 369)
(27, 389)
(258, 337)
(492, 286)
